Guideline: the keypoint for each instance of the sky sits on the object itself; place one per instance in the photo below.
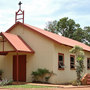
(39, 12)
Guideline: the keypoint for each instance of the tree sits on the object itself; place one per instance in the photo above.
(78, 51)
(52, 27)
(79, 35)
(87, 35)
(67, 27)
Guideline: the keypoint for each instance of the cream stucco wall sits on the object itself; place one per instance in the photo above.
(7, 46)
(67, 75)
(45, 56)
(87, 55)
(6, 60)
(6, 66)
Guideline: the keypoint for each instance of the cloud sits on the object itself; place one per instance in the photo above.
(6, 19)
(39, 12)
(42, 7)
(48, 10)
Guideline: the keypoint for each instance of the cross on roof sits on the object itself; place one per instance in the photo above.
(19, 13)
(20, 4)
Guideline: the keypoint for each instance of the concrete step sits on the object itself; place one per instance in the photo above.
(88, 80)
(88, 76)
(88, 83)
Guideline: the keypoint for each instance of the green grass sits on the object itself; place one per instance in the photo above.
(25, 86)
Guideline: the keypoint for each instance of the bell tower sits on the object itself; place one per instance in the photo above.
(19, 15)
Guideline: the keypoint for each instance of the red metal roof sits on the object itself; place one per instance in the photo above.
(57, 38)
(18, 44)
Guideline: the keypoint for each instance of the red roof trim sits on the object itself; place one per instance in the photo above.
(3, 53)
(7, 51)
(25, 51)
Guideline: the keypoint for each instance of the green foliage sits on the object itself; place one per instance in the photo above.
(25, 86)
(42, 71)
(78, 51)
(87, 35)
(5, 82)
(74, 83)
(69, 28)
(79, 35)
(47, 78)
(1, 72)
(41, 75)
(52, 27)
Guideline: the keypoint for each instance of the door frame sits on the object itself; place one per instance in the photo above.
(18, 62)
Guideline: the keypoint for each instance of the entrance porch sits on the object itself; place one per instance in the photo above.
(13, 56)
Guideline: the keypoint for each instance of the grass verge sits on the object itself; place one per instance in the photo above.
(25, 86)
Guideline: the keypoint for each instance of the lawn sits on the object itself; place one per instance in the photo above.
(25, 86)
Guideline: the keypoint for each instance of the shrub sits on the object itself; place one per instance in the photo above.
(78, 51)
(5, 82)
(1, 72)
(74, 83)
(41, 75)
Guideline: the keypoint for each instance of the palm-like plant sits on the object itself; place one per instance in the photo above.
(78, 51)
(40, 74)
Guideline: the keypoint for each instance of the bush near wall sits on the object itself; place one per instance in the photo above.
(41, 75)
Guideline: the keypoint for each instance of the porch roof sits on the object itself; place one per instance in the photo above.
(17, 42)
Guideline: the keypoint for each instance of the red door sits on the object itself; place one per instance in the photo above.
(21, 68)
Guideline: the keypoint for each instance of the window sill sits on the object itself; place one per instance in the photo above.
(60, 68)
(72, 69)
(88, 68)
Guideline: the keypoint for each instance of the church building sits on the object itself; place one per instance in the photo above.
(25, 48)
